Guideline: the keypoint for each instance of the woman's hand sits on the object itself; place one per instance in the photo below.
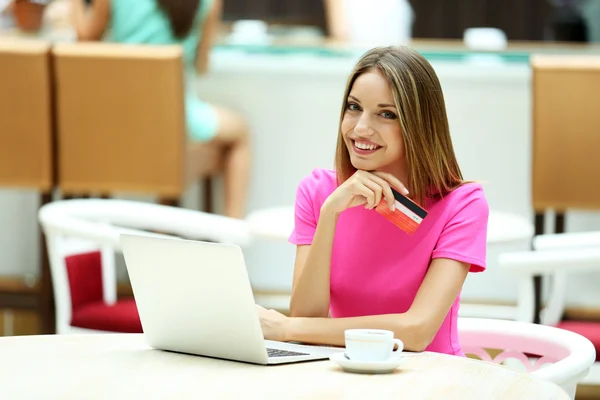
(273, 324)
(364, 188)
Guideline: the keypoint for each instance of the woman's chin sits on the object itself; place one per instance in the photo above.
(365, 165)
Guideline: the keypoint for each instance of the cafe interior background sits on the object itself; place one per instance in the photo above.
(282, 65)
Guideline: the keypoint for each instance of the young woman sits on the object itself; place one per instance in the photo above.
(351, 262)
(191, 23)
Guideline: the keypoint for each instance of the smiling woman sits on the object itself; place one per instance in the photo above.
(353, 264)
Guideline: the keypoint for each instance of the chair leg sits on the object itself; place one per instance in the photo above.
(559, 222)
(46, 308)
(207, 184)
(169, 201)
(559, 227)
(76, 196)
(537, 280)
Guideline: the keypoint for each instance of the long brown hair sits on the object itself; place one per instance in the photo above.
(430, 159)
(181, 15)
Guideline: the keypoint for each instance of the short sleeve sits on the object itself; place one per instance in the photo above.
(464, 237)
(310, 195)
(305, 221)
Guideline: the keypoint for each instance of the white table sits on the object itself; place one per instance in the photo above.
(122, 366)
(278, 222)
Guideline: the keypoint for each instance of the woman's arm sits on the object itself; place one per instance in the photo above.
(310, 287)
(337, 24)
(416, 328)
(208, 31)
(91, 21)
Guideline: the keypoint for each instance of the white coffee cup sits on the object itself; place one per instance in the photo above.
(371, 344)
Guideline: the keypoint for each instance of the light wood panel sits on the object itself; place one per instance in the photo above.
(25, 114)
(566, 132)
(121, 121)
(23, 322)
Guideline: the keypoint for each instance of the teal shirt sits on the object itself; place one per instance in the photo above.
(143, 22)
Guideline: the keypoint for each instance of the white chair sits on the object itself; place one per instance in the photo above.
(548, 353)
(555, 257)
(83, 237)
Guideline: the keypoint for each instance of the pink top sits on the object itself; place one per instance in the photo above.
(376, 268)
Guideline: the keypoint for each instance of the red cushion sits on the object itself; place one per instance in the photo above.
(84, 272)
(588, 329)
(121, 317)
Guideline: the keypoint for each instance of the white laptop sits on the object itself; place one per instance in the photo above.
(195, 297)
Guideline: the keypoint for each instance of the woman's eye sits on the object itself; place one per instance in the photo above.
(352, 107)
(388, 115)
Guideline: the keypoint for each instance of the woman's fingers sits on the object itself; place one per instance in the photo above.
(386, 189)
(374, 186)
(392, 181)
(360, 189)
(377, 191)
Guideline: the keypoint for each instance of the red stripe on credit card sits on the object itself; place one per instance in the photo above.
(403, 217)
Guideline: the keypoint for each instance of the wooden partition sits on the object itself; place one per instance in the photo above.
(120, 119)
(566, 132)
(27, 158)
(25, 115)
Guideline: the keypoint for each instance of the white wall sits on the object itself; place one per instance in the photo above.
(293, 105)
(19, 253)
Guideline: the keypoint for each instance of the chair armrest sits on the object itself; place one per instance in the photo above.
(551, 261)
(99, 233)
(556, 241)
(76, 215)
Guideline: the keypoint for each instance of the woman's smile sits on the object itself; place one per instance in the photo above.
(364, 148)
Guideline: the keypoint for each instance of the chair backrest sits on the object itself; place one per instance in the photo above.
(566, 122)
(549, 353)
(557, 257)
(26, 144)
(120, 118)
(78, 226)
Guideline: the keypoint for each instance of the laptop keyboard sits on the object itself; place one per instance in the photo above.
(283, 353)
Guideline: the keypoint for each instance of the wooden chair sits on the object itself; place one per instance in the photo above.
(566, 123)
(26, 151)
(121, 123)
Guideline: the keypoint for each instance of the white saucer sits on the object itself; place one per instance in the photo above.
(367, 367)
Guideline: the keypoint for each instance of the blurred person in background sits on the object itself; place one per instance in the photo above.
(358, 21)
(336, 20)
(591, 11)
(192, 24)
(568, 21)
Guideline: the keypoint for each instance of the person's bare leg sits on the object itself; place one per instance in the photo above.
(233, 132)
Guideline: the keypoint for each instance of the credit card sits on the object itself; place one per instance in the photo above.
(407, 216)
